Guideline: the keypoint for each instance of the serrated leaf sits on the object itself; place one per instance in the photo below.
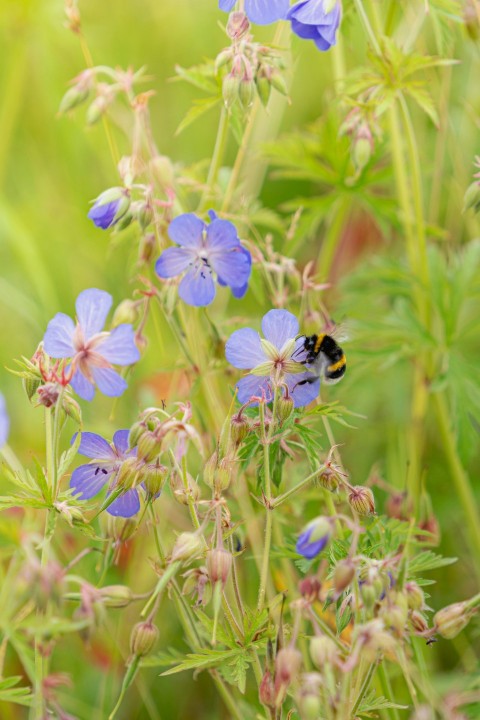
(200, 76)
(428, 560)
(199, 108)
(203, 661)
(371, 704)
(68, 456)
(239, 666)
(11, 694)
(342, 619)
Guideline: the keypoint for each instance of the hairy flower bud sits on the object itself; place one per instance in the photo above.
(189, 546)
(48, 394)
(219, 562)
(361, 500)
(222, 59)
(285, 407)
(287, 664)
(143, 638)
(72, 408)
(125, 312)
(128, 473)
(116, 596)
(266, 691)
(471, 199)
(239, 429)
(328, 479)
(264, 87)
(153, 479)
(418, 622)
(451, 620)
(31, 383)
(237, 25)
(343, 575)
(148, 446)
(323, 651)
(180, 492)
(314, 537)
(246, 92)
(414, 595)
(230, 87)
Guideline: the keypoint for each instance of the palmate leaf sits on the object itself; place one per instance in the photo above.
(17, 695)
(200, 76)
(371, 704)
(428, 560)
(199, 108)
(204, 660)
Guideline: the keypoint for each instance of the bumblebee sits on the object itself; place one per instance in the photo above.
(325, 358)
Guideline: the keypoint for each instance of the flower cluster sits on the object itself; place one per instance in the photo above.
(206, 253)
(91, 350)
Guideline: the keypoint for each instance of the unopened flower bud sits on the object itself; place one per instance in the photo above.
(246, 92)
(116, 596)
(239, 429)
(74, 97)
(219, 562)
(328, 479)
(285, 406)
(48, 394)
(287, 664)
(125, 312)
(127, 474)
(309, 588)
(471, 199)
(98, 108)
(118, 528)
(278, 82)
(153, 479)
(230, 87)
(369, 595)
(431, 526)
(323, 651)
(237, 25)
(145, 215)
(143, 638)
(396, 506)
(361, 500)
(72, 408)
(314, 537)
(189, 546)
(310, 705)
(374, 639)
(395, 613)
(110, 207)
(264, 88)
(136, 431)
(148, 446)
(451, 620)
(222, 59)
(471, 18)
(419, 622)
(182, 494)
(31, 383)
(343, 575)
(266, 691)
(414, 595)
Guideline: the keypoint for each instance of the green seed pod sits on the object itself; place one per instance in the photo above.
(230, 88)
(143, 638)
(116, 596)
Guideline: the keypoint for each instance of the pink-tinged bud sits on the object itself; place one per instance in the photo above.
(72, 408)
(48, 394)
(74, 97)
(182, 494)
(397, 506)
(239, 429)
(210, 469)
(328, 479)
(287, 665)
(432, 528)
(223, 59)
(418, 622)
(230, 87)
(451, 620)
(31, 383)
(372, 639)
(219, 562)
(285, 406)
(143, 638)
(145, 215)
(99, 107)
(361, 500)
(266, 691)
(125, 312)
(471, 18)
(414, 595)
(148, 446)
(116, 596)
(343, 575)
(237, 25)
(197, 584)
(310, 588)
(323, 651)
(188, 547)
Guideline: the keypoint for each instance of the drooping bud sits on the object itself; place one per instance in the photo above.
(148, 446)
(328, 479)
(230, 87)
(266, 691)
(143, 638)
(278, 82)
(100, 105)
(219, 562)
(451, 620)
(361, 500)
(287, 665)
(127, 474)
(314, 537)
(109, 207)
(471, 18)
(125, 312)
(323, 651)
(419, 622)
(188, 547)
(153, 479)
(239, 429)
(145, 215)
(182, 494)
(285, 406)
(116, 596)
(222, 59)
(415, 596)
(72, 408)
(246, 92)
(263, 87)
(48, 394)
(74, 97)
(309, 588)
(147, 248)
(343, 575)
(136, 431)
(237, 25)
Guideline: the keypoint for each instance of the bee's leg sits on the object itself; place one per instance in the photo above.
(306, 381)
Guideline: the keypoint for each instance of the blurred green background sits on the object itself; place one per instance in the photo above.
(51, 168)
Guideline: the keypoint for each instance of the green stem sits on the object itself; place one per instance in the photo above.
(227, 698)
(267, 494)
(459, 477)
(281, 498)
(387, 690)
(241, 154)
(217, 160)
(330, 241)
(365, 685)
(169, 573)
(366, 24)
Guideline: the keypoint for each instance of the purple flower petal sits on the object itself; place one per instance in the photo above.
(278, 326)
(120, 440)
(103, 215)
(264, 12)
(125, 505)
(174, 261)
(187, 230)
(58, 338)
(323, 44)
(309, 12)
(233, 267)
(82, 386)
(226, 5)
(252, 385)
(309, 549)
(221, 236)
(119, 346)
(239, 292)
(109, 382)
(4, 422)
(243, 349)
(197, 287)
(89, 480)
(302, 394)
(306, 32)
(95, 446)
(92, 308)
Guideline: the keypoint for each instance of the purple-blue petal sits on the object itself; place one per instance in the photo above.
(252, 385)
(306, 32)
(264, 12)
(4, 422)
(92, 308)
(118, 347)
(95, 446)
(187, 230)
(82, 386)
(120, 440)
(103, 215)
(239, 292)
(125, 505)
(174, 261)
(310, 12)
(278, 326)
(221, 236)
(226, 5)
(303, 394)
(243, 349)
(233, 266)
(197, 287)
(309, 549)
(89, 480)
(58, 338)
(109, 382)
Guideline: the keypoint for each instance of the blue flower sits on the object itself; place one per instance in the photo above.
(4, 422)
(316, 20)
(107, 460)
(92, 351)
(260, 12)
(270, 360)
(314, 537)
(109, 207)
(205, 250)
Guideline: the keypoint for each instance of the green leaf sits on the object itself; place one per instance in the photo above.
(67, 457)
(203, 661)
(342, 619)
(11, 694)
(428, 560)
(200, 76)
(199, 108)
(371, 704)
